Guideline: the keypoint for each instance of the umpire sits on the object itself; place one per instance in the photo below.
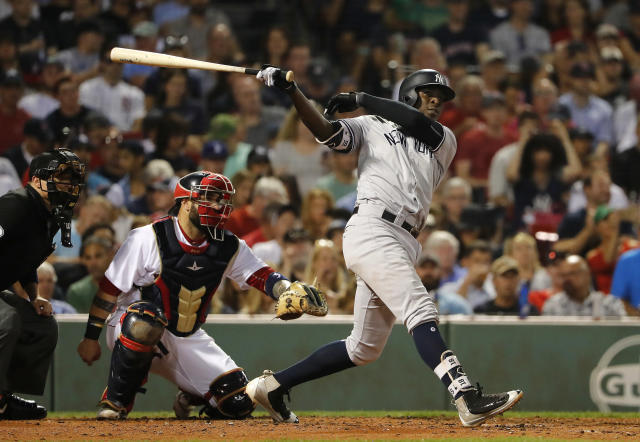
(29, 219)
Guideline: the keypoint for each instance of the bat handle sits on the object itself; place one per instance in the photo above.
(288, 75)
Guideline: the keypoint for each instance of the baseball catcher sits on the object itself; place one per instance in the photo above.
(161, 283)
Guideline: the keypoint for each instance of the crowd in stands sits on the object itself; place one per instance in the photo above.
(539, 214)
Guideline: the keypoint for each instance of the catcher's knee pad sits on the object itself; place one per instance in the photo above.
(142, 327)
(228, 391)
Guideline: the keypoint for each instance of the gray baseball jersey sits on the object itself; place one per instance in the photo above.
(396, 170)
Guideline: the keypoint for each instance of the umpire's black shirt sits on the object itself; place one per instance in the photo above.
(27, 229)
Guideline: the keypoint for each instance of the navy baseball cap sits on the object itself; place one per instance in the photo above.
(215, 150)
(258, 155)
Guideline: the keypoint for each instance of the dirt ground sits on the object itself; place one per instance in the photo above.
(319, 428)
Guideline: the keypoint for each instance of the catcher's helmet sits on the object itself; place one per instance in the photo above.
(213, 193)
(419, 79)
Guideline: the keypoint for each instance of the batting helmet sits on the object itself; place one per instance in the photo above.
(422, 78)
(213, 193)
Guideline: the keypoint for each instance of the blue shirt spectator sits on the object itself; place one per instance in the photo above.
(626, 278)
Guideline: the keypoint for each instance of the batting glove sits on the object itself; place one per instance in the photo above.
(344, 102)
(273, 76)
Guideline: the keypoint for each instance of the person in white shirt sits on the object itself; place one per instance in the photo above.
(122, 103)
(403, 155)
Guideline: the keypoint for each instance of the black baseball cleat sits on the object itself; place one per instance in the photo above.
(266, 391)
(474, 408)
(13, 407)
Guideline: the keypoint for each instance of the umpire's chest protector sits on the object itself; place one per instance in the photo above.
(188, 279)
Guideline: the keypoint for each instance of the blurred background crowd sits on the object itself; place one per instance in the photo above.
(539, 214)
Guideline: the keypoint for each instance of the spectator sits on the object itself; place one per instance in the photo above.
(173, 98)
(70, 116)
(122, 103)
(115, 19)
(461, 39)
(295, 254)
(576, 23)
(518, 38)
(624, 169)
(444, 246)
(612, 85)
(9, 179)
(95, 254)
(315, 212)
(467, 112)
(493, 68)
(626, 117)
(626, 281)
(230, 130)
(478, 145)
(456, 195)
(616, 197)
(475, 286)
(602, 260)
(430, 273)
(259, 162)
(577, 234)
(47, 288)
(146, 39)
(12, 118)
(281, 219)
(243, 182)
(83, 59)
(27, 34)
(342, 179)
(298, 60)
(276, 219)
(582, 141)
(523, 248)
(544, 102)
(9, 63)
(537, 298)
(298, 153)
(37, 139)
(540, 171)
(160, 182)
(577, 297)
(195, 25)
(421, 17)
(64, 35)
(505, 272)
(42, 102)
(246, 219)
(214, 156)
(588, 111)
(500, 191)
(327, 269)
(130, 160)
(256, 117)
(171, 143)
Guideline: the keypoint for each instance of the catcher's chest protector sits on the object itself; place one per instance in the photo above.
(188, 280)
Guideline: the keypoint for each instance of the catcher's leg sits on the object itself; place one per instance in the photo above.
(228, 391)
(142, 326)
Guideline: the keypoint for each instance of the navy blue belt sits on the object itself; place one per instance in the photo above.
(389, 216)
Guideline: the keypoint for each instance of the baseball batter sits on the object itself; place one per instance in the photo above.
(403, 155)
(161, 283)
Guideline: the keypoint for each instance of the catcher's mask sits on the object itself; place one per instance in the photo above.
(62, 172)
(212, 193)
(410, 86)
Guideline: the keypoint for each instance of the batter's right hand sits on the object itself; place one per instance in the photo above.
(89, 350)
(273, 76)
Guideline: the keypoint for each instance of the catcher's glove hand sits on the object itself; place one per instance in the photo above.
(301, 298)
(344, 102)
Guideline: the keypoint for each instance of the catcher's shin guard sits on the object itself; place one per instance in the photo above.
(228, 390)
(142, 327)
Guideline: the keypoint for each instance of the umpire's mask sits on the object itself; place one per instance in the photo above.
(63, 174)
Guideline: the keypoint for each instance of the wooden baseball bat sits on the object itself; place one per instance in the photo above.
(134, 56)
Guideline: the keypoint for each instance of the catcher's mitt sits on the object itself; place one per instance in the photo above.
(301, 298)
